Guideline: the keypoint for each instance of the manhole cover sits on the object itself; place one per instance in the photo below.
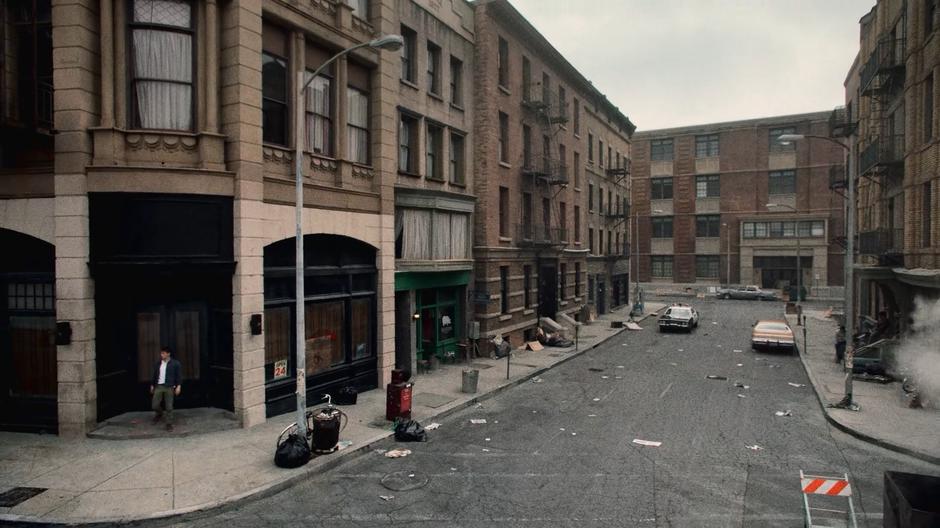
(11, 498)
(404, 481)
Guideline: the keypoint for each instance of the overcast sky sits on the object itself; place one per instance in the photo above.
(669, 63)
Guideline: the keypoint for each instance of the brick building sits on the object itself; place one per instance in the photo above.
(160, 210)
(434, 200)
(729, 203)
(532, 147)
(892, 126)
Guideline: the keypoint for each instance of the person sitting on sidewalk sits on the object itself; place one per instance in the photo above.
(164, 385)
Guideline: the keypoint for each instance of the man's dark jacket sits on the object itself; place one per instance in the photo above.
(174, 372)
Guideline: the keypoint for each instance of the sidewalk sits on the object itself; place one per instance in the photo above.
(96, 480)
(884, 418)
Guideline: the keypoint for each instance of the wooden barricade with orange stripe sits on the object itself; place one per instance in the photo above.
(829, 486)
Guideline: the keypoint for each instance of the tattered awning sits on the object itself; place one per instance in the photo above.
(920, 277)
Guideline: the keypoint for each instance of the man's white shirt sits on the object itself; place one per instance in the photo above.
(162, 379)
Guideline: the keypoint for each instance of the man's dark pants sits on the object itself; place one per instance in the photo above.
(163, 393)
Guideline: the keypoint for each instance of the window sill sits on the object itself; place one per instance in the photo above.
(503, 89)
(577, 189)
(409, 174)
(433, 179)
(409, 84)
(563, 303)
(577, 134)
(505, 239)
(458, 184)
(577, 242)
(528, 311)
(505, 164)
(505, 317)
(456, 106)
(435, 95)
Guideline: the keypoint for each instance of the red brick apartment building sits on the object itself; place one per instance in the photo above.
(719, 203)
(534, 147)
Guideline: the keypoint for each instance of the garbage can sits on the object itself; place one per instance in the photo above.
(910, 500)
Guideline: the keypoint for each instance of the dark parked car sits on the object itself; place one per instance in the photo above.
(678, 316)
(746, 292)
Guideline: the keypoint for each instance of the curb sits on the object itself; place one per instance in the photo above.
(853, 432)
(261, 492)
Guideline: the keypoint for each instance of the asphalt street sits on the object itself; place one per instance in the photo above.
(558, 451)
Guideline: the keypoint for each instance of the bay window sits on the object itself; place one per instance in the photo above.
(162, 64)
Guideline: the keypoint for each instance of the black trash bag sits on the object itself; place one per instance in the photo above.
(410, 431)
(346, 396)
(292, 452)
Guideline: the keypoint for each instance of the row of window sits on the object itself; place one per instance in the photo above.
(528, 231)
(616, 204)
(614, 246)
(709, 185)
(434, 86)
(528, 301)
(706, 266)
(320, 114)
(706, 226)
(706, 146)
(408, 150)
(784, 229)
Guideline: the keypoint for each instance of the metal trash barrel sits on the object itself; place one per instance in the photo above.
(910, 500)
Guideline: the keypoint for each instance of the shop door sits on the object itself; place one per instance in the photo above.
(183, 327)
(548, 291)
(601, 296)
(440, 319)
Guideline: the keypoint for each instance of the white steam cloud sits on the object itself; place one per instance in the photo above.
(919, 352)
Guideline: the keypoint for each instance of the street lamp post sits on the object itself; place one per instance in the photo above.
(849, 263)
(386, 42)
(636, 244)
(728, 258)
(799, 270)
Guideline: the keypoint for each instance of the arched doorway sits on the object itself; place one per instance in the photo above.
(28, 389)
(340, 318)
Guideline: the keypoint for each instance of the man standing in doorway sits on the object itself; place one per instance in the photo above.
(164, 385)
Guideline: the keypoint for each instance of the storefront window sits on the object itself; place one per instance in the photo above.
(277, 332)
(324, 335)
(361, 328)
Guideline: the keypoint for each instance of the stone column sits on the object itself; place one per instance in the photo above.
(384, 133)
(212, 67)
(107, 65)
(241, 122)
(120, 57)
(75, 52)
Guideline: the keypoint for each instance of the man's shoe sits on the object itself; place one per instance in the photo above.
(156, 419)
(169, 427)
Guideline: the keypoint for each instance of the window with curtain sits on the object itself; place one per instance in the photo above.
(407, 144)
(426, 235)
(434, 147)
(319, 116)
(162, 64)
(457, 165)
(360, 8)
(357, 126)
(408, 54)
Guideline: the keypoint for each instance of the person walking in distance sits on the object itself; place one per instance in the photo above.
(165, 385)
(840, 344)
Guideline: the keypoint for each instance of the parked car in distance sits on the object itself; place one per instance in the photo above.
(746, 292)
(773, 335)
(678, 316)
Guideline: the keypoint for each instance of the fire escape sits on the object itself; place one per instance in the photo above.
(881, 152)
(547, 174)
(618, 213)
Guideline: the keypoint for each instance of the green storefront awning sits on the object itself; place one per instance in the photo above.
(419, 280)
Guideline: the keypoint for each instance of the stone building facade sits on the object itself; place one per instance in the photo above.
(892, 125)
(161, 210)
(721, 203)
(530, 248)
